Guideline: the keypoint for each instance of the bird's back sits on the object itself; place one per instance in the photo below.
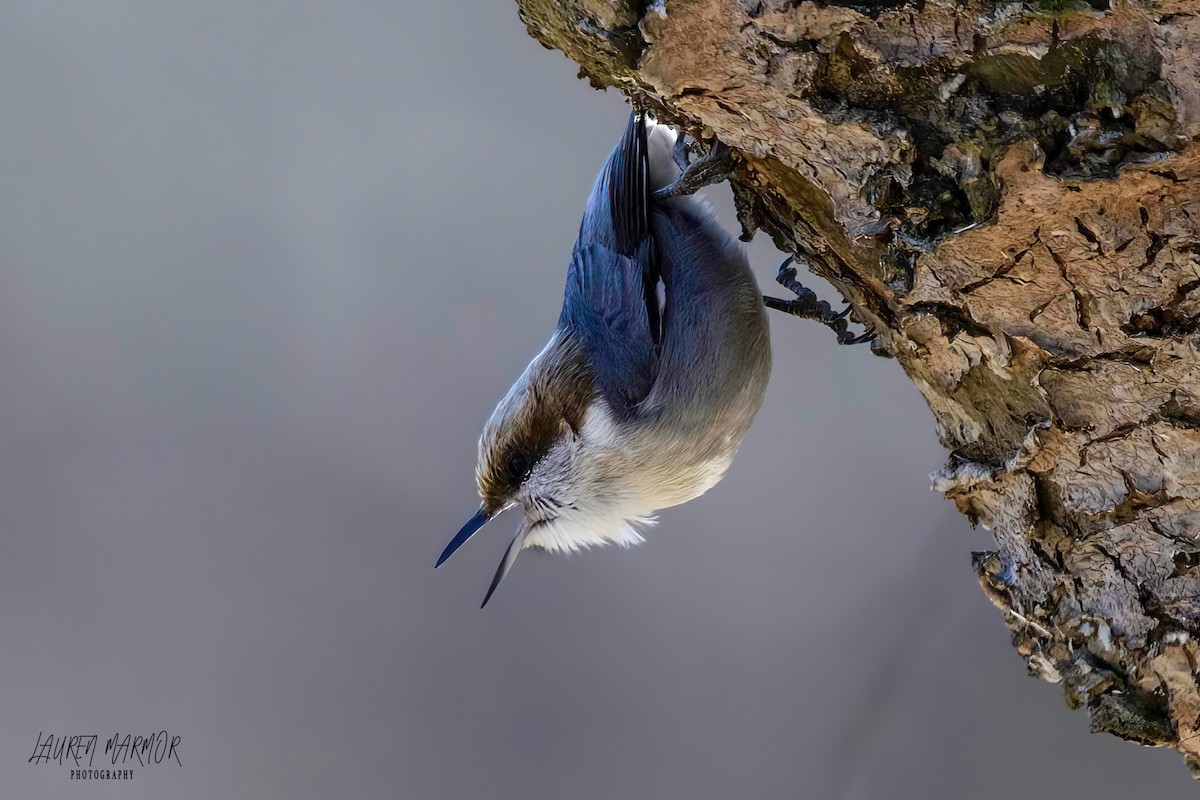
(716, 356)
(664, 303)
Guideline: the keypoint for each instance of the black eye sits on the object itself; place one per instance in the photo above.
(518, 464)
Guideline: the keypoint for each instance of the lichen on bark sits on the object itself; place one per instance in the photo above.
(1010, 194)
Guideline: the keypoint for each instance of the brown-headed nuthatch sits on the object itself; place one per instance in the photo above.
(651, 378)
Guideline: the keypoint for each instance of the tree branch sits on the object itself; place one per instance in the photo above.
(1009, 193)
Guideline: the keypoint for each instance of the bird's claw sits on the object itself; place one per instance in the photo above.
(808, 306)
(713, 167)
(865, 336)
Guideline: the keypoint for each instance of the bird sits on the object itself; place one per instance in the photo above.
(651, 378)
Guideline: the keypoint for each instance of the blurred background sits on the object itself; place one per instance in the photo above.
(264, 270)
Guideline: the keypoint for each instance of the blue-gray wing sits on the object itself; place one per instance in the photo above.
(611, 305)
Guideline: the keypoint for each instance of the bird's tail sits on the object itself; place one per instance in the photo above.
(618, 210)
(617, 214)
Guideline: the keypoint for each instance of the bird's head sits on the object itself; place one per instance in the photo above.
(552, 448)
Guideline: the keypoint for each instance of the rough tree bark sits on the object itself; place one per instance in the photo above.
(1010, 194)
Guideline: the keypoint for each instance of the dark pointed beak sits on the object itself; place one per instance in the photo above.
(510, 555)
(473, 524)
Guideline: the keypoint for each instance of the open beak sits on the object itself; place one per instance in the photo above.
(510, 555)
(473, 524)
(481, 518)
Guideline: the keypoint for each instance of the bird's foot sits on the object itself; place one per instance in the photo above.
(807, 306)
(712, 167)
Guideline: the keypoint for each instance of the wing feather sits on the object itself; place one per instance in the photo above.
(612, 299)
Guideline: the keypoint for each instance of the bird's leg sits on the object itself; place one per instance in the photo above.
(807, 306)
(712, 167)
(680, 152)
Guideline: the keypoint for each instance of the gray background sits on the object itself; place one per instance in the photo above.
(264, 270)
